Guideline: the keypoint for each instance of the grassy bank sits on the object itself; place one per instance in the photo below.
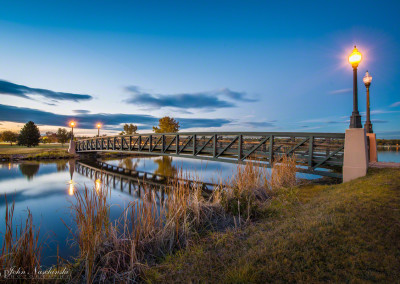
(341, 233)
(43, 151)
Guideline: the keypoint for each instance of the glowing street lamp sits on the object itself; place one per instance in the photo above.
(367, 81)
(98, 129)
(355, 118)
(72, 124)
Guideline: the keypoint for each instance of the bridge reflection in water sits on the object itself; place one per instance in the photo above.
(133, 181)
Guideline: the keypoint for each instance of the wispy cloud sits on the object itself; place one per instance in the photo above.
(81, 111)
(381, 111)
(8, 88)
(379, 121)
(396, 104)
(87, 121)
(341, 91)
(209, 100)
(322, 120)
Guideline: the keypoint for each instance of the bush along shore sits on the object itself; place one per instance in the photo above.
(260, 226)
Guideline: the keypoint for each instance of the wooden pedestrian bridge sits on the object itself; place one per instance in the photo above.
(316, 153)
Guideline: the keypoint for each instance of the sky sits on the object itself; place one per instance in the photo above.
(212, 65)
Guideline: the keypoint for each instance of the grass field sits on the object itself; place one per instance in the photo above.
(6, 149)
(325, 233)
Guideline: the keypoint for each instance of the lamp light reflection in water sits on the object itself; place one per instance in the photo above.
(97, 185)
(71, 188)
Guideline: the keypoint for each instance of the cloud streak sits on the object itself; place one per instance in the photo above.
(88, 120)
(341, 91)
(209, 100)
(8, 88)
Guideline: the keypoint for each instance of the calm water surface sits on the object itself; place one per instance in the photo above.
(46, 189)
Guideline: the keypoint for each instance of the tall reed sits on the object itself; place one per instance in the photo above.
(91, 215)
(21, 247)
(254, 183)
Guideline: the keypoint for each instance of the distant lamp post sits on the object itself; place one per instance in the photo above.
(367, 81)
(72, 124)
(355, 59)
(98, 129)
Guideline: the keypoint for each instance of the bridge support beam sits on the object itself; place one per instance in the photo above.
(355, 163)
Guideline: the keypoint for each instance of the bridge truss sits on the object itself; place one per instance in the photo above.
(315, 153)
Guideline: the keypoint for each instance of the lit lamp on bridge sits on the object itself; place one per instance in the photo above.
(355, 59)
(356, 158)
(72, 124)
(367, 81)
(98, 129)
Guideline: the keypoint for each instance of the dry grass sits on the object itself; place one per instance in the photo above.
(254, 184)
(343, 233)
(91, 215)
(143, 234)
(21, 247)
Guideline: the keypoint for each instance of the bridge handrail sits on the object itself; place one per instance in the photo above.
(279, 134)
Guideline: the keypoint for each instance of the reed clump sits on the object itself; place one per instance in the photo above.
(91, 215)
(253, 185)
(145, 232)
(21, 248)
(148, 230)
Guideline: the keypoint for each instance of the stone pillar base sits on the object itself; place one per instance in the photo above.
(373, 151)
(355, 163)
(71, 148)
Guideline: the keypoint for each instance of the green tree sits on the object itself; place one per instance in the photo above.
(129, 129)
(166, 125)
(9, 136)
(63, 135)
(29, 135)
(45, 140)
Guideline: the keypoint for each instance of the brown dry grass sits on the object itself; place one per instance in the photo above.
(253, 185)
(21, 247)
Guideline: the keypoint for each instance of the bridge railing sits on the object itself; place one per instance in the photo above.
(313, 151)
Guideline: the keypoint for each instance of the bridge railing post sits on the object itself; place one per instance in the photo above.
(240, 146)
(177, 144)
(271, 150)
(310, 151)
(194, 144)
(215, 145)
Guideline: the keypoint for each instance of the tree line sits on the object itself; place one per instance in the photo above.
(30, 136)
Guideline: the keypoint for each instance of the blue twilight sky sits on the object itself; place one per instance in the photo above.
(231, 65)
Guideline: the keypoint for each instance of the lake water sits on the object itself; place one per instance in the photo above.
(47, 188)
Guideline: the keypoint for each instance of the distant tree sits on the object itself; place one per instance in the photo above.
(129, 129)
(29, 135)
(166, 125)
(9, 136)
(45, 140)
(52, 136)
(63, 135)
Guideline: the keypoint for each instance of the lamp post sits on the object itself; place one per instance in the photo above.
(98, 129)
(355, 118)
(72, 124)
(367, 81)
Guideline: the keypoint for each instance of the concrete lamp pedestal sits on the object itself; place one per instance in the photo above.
(373, 150)
(355, 163)
(71, 148)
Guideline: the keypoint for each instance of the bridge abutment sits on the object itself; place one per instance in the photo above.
(355, 163)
